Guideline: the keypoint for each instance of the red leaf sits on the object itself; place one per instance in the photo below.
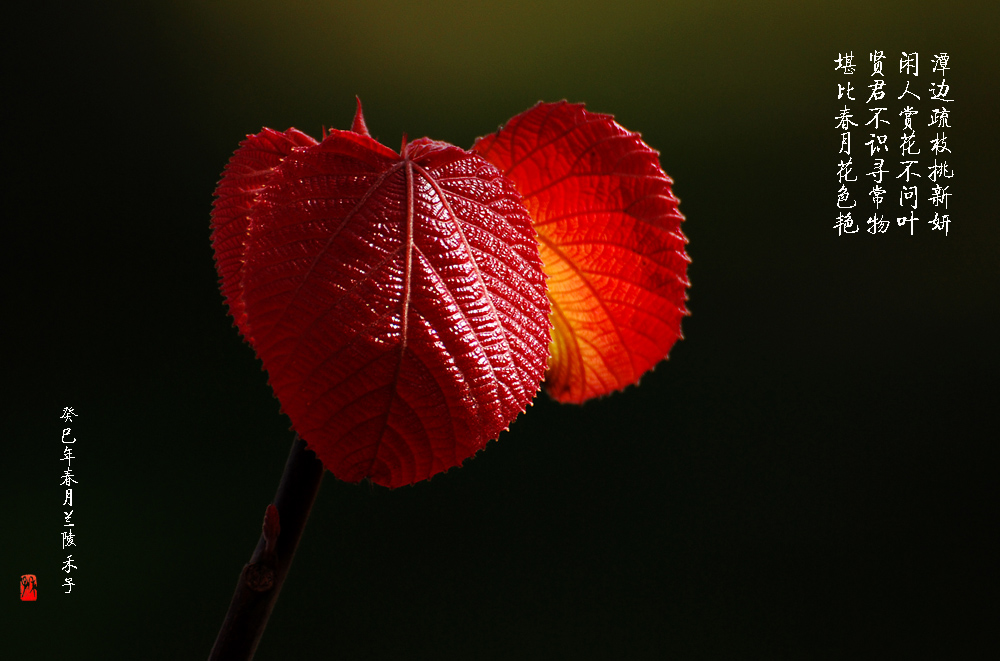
(610, 239)
(397, 301)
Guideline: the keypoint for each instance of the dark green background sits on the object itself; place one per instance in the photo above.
(811, 475)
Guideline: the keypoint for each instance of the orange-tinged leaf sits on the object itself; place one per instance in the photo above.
(611, 243)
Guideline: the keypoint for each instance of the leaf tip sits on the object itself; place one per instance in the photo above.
(358, 125)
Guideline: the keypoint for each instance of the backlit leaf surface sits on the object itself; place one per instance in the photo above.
(611, 243)
(245, 176)
(397, 301)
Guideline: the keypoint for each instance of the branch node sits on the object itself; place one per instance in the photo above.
(258, 576)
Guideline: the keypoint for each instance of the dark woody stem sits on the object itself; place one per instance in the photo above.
(261, 579)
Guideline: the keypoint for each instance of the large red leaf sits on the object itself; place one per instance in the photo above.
(397, 301)
(611, 243)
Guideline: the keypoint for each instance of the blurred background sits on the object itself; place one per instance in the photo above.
(811, 474)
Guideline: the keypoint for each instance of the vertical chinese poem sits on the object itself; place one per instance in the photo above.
(915, 179)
